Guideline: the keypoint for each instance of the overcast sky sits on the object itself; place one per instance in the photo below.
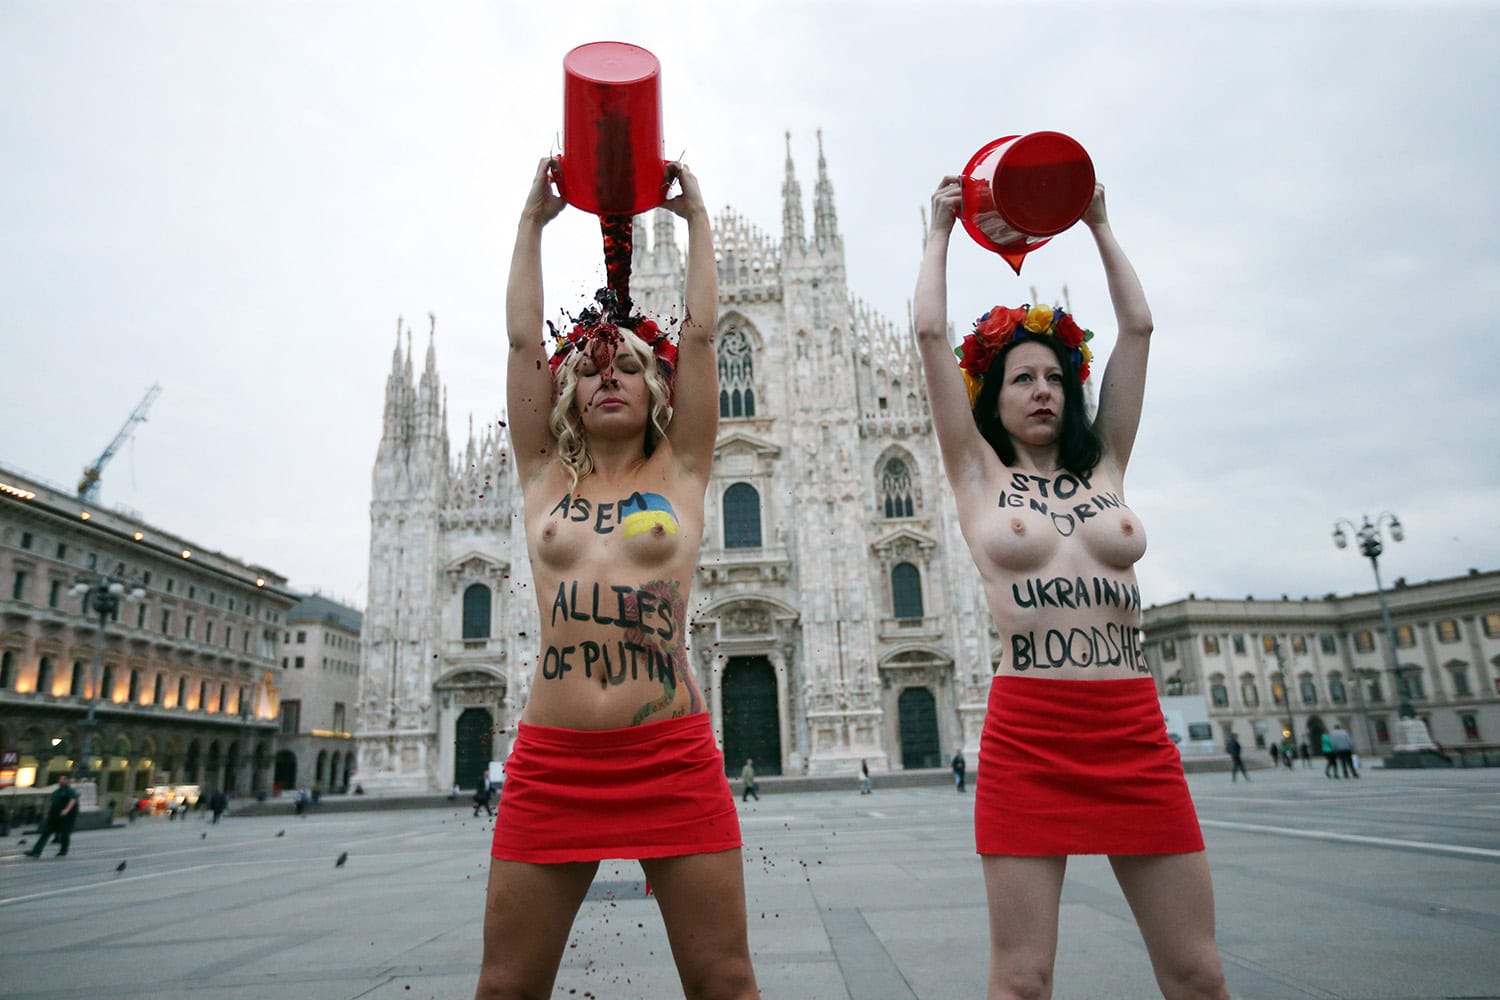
(237, 200)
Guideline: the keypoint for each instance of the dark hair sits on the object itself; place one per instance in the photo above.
(1078, 445)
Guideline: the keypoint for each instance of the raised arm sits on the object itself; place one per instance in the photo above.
(695, 401)
(1124, 384)
(965, 452)
(528, 381)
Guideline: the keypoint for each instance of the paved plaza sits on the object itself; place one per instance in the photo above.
(1387, 887)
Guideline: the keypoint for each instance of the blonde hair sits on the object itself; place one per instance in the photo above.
(566, 423)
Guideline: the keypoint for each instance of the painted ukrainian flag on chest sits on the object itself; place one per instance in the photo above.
(647, 510)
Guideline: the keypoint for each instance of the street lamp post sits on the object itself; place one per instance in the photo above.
(103, 597)
(1413, 739)
(1290, 729)
(1371, 545)
(239, 764)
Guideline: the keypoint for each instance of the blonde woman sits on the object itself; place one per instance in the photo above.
(615, 757)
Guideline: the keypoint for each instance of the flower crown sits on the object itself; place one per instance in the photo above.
(1001, 326)
(604, 323)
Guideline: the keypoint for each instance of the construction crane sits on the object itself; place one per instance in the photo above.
(88, 486)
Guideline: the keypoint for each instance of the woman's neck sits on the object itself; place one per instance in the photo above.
(616, 459)
(1036, 458)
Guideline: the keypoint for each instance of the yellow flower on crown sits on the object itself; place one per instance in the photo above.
(972, 385)
(1039, 319)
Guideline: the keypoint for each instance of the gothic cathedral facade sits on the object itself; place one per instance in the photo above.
(836, 614)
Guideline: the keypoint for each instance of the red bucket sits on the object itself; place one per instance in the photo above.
(1021, 190)
(611, 162)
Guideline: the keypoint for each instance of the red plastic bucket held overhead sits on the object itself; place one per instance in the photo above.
(1021, 190)
(611, 162)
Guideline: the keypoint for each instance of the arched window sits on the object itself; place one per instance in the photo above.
(736, 368)
(1336, 691)
(107, 684)
(7, 670)
(906, 590)
(895, 490)
(182, 692)
(1309, 689)
(1409, 682)
(476, 611)
(741, 517)
(1278, 689)
(1248, 693)
(44, 676)
(1219, 692)
(158, 689)
(75, 685)
(134, 694)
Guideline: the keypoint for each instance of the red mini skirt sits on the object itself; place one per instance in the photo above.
(1080, 767)
(652, 791)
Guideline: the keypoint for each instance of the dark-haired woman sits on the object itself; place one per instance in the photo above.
(1074, 758)
(613, 436)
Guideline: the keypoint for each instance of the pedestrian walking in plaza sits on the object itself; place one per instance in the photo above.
(959, 766)
(864, 777)
(1074, 757)
(1330, 757)
(217, 803)
(62, 813)
(1343, 748)
(613, 440)
(482, 796)
(747, 780)
(1304, 753)
(1236, 765)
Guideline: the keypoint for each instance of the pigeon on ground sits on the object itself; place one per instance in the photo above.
(342, 858)
(120, 867)
(203, 836)
(281, 833)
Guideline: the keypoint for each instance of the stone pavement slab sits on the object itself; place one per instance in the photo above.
(1383, 889)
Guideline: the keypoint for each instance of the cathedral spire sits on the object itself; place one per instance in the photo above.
(429, 390)
(825, 221)
(395, 396)
(431, 346)
(792, 233)
(638, 248)
(663, 238)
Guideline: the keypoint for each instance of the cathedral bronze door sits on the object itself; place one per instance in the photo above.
(919, 729)
(474, 743)
(752, 721)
